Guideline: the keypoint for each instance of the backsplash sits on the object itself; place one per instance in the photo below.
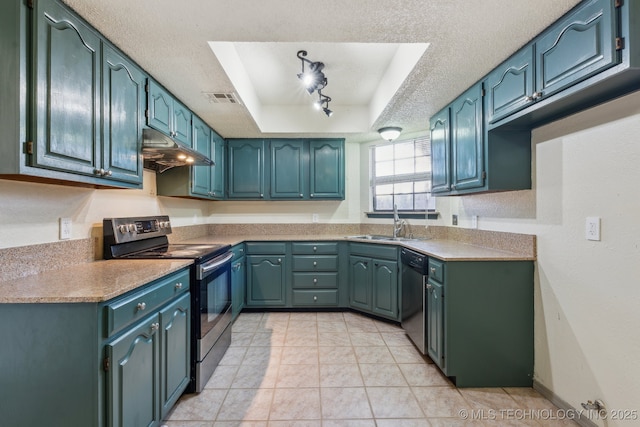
(26, 260)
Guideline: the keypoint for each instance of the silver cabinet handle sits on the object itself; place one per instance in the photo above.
(429, 286)
(311, 195)
(108, 173)
(178, 285)
(315, 248)
(261, 195)
(155, 327)
(141, 306)
(433, 270)
(315, 263)
(537, 95)
(315, 280)
(279, 260)
(301, 195)
(315, 298)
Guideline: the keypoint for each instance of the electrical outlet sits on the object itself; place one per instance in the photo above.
(454, 219)
(474, 221)
(65, 228)
(314, 218)
(592, 231)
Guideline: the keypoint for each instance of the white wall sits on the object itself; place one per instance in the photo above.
(587, 292)
(29, 212)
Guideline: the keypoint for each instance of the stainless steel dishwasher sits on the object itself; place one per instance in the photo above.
(414, 279)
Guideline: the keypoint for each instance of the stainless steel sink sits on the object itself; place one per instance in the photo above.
(381, 237)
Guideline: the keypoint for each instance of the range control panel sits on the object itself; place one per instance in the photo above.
(122, 230)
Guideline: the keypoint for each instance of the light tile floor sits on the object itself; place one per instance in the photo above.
(343, 370)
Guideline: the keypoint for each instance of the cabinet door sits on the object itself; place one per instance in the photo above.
(509, 87)
(67, 92)
(122, 114)
(175, 324)
(160, 105)
(217, 172)
(265, 280)
(326, 169)
(181, 121)
(360, 282)
(246, 174)
(440, 127)
(201, 175)
(238, 286)
(287, 169)
(385, 288)
(133, 380)
(435, 323)
(576, 47)
(467, 148)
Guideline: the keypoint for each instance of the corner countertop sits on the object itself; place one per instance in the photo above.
(445, 250)
(89, 282)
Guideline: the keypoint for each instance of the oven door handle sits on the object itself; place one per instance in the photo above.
(207, 267)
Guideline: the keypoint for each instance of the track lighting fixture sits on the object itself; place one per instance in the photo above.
(313, 80)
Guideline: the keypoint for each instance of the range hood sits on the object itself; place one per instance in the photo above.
(161, 152)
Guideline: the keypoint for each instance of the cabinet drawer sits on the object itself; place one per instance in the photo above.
(262, 248)
(313, 248)
(238, 251)
(320, 297)
(436, 270)
(374, 250)
(315, 280)
(137, 305)
(315, 263)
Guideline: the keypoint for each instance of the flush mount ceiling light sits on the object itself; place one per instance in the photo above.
(390, 132)
(313, 80)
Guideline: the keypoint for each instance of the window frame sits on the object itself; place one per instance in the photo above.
(400, 178)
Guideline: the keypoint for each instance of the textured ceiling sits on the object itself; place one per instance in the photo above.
(467, 38)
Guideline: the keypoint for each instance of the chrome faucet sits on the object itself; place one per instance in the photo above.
(398, 224)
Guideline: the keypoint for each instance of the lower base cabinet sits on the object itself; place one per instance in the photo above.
(266, 274)
(97, 364)
(480, 322)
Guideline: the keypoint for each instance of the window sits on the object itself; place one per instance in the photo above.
(401, 175)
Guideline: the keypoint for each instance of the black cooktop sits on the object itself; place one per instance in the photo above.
(197, 252)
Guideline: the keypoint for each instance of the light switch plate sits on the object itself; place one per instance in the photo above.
(592, 231)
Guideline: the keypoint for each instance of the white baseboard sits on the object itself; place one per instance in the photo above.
(562, 404)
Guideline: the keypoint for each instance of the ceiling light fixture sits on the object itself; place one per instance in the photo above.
(313, 80)
(390, 132)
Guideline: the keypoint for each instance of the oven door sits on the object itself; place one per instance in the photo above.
(213, 280)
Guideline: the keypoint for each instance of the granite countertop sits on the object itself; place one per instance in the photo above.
(89, 282)
(445, 250)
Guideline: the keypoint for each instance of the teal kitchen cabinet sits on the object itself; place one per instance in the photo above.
(288, 169)
(266, 274)
(126, 360)
(199, 182)
(166, 114)
(238, 280)
(218, 173)
(77, 70)
(467, 158)
(246, 176)
(315, 274)
(486, 306)
(440, 130)
(285, 169)
(147, 354)
(65, 83)
(577, 46)
(123, 103)
(374, 279)
(326, 169)
(175, 362)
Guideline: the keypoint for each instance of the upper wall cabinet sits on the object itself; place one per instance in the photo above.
(286, 169)
(168, 115)
(466, 158)
(580, 45)
(78, 83)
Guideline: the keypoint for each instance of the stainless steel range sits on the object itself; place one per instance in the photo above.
(146, 238)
